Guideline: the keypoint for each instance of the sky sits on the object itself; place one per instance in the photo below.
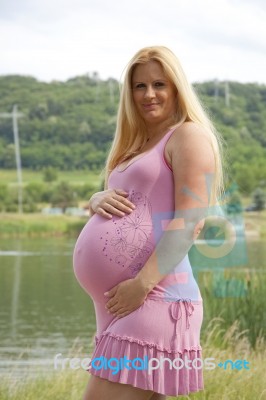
(61, 39)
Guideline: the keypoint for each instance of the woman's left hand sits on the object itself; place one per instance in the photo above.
(126, 297)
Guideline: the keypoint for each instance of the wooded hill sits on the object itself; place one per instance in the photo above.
(69, 125)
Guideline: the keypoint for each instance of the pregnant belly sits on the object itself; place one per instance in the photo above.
(110, 251)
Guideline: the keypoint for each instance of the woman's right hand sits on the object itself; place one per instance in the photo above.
(110, 202)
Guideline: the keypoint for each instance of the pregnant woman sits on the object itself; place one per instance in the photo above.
(132, 255)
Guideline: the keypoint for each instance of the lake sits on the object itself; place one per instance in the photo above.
(44, 311)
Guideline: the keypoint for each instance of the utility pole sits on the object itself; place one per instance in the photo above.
(227, 94)
(96, 78)
(111, 91)
(15, 115)
(216, 90)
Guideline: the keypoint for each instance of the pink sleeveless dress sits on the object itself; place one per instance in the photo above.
(168, 323)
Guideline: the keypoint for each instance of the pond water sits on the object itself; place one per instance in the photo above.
(43, 310)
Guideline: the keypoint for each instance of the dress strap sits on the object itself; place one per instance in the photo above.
(168, 134)
(162, 145)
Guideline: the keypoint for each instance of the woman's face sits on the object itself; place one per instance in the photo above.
(153, 94)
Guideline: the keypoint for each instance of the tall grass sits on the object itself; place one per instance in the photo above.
(246, 306)
(256, 221)
(232, 384)
(220, 384)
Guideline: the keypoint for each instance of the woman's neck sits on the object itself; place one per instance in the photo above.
(156, 130)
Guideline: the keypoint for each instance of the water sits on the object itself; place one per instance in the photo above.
(44, 311)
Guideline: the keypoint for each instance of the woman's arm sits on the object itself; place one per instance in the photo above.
(192, 162)
(192, 159)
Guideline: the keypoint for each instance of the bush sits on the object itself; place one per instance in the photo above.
(234, 203)
(64, 196)
(259, 199)
(49, 174)
(84, 192)
(34, 191)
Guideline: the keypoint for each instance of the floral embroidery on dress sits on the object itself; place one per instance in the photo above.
(131, 246)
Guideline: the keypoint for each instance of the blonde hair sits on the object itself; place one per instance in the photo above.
(131, 134)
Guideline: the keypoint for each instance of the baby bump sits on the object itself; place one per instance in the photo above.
(109, 251)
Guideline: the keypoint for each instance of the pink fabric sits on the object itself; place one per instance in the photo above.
(107, 252)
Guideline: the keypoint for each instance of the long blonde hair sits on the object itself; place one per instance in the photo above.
(131, 134)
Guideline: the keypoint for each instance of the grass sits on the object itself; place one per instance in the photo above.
(220, 384)
(41, 225)
(34, 224)
(256, 221)
(9, 177)
(246, 306)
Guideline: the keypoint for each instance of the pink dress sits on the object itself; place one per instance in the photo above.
(168, 323)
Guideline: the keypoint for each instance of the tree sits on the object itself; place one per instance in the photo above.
(245, 176)
(3, 196)
(259, 199)
(234, 204)
(8, 159)
(63, 196)
(34, 191)
(70, 125)
(49, 174)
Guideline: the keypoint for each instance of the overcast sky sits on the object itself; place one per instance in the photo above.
(60, 39)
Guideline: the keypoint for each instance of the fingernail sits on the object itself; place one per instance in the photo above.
(106, 294)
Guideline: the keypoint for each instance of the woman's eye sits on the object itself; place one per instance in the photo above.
(139, 85)
(159, 84)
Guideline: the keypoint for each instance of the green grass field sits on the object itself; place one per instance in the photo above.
(9, 177)
(37, 224)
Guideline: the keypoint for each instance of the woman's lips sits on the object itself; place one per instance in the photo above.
(150, 106)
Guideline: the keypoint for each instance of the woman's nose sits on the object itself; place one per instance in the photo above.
(149, 93)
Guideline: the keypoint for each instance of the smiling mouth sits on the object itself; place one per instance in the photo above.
(150, 105)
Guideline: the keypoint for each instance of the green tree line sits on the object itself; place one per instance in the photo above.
(70, 125)
(37, 194)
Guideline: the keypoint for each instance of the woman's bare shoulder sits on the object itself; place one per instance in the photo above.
(189, 128)
(186, 134)
(188, 141)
